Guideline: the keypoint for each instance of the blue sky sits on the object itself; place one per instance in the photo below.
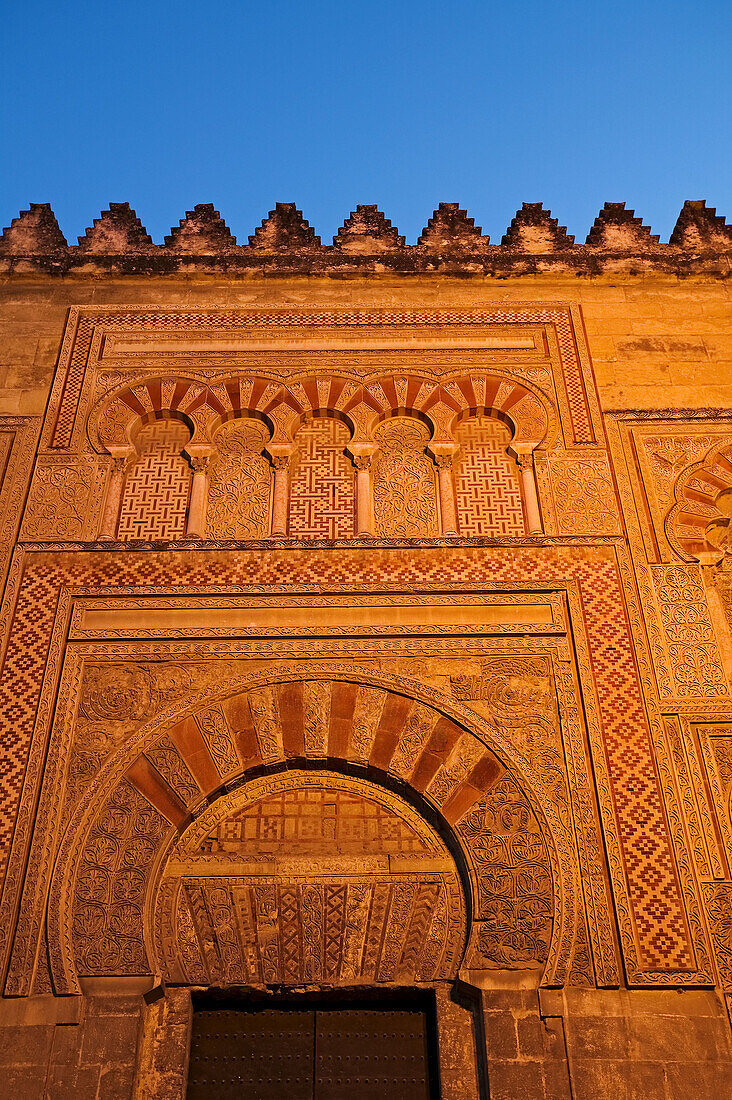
(329, 103)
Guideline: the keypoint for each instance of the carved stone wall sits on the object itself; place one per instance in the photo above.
(355, 643)
(325, 880)
(292, 843)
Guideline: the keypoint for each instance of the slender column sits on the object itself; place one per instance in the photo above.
(196, 526)
(113, 497)
(280, 495)
(364, 496)
(443, 455)
(361, 455)
(531, 497)
(446, 483)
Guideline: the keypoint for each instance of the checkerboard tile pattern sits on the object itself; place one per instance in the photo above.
(653, 885)
(655, 894)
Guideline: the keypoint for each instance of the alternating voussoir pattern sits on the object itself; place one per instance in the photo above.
(367, 240)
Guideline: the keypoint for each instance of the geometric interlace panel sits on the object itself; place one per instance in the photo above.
(323, 499)
(158, 485)
(487, 480)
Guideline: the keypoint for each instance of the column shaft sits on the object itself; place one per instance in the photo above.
(446, 482)
(280, 496)
(364, 497)
(195, 528)
(113, 500)
(531, 498)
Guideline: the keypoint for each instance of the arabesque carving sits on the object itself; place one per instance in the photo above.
(259, 853)
(110, 885)
(515, 890)
(584, 495)
(64, 500)
(240, 482)
(718, 903)
(405, 499)
(692, 647)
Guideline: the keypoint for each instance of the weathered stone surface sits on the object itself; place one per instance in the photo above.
(284, 230)
(202, 232)
(285, 243)
(117, 230)
(700, 228)
(369, 634)
(451, 230)
(534, 230)
(35, 232)
(367, 232)
(617, 229)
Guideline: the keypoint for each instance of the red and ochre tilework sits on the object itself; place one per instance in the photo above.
(655, 894)
(652, 880)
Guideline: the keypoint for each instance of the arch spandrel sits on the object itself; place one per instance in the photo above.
(429, 751)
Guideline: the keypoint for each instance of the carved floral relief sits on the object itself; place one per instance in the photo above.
(239, 482)
(405, 500)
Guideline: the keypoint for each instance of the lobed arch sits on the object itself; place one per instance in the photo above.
(523, 406)
(390, 735)
(209, 403)
(206, 404)
(362, 405)
(698, 524)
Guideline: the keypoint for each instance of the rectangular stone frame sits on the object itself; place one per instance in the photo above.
(87, 565)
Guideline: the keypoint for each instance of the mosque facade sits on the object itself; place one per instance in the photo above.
(366, 692)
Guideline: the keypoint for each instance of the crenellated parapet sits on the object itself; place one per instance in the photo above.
(617, 229)
(535, 231)
(285, 243)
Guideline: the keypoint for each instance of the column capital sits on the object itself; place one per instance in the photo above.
(523, 455)
(121, 457)
(199, 463)
(280, 454)
(443, 454)
(361, 454)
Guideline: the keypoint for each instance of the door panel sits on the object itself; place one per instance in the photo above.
(321, 1053)
(254, 1054)
(369, 1055)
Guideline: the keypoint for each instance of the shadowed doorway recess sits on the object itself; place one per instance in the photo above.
(306, 1049)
